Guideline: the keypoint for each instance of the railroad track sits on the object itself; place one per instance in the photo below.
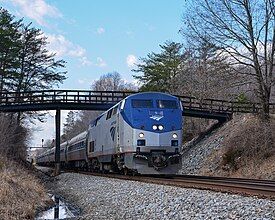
(260, 188)
(254, 187)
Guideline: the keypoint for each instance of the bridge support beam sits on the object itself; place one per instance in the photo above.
(57, 142)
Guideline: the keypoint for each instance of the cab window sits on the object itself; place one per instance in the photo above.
(142, 103)
(170, 104)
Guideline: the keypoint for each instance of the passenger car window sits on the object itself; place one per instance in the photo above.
(171, 104)
(142, 103)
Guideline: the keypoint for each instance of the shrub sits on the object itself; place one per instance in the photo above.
(231, 158)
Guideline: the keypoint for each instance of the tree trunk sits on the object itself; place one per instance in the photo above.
(265, 98)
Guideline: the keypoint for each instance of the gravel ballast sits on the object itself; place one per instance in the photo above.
(106, 198)
(195, 158)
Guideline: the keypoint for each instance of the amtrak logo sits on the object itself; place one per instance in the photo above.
(113, 131)
(156, 115)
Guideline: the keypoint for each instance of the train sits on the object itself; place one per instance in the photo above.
(140, 134)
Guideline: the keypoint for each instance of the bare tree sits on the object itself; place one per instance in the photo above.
(77, 122)
(244, 32)
(206, 74)
(13, 137)
(112, 82)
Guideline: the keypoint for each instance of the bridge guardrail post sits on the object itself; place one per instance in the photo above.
(53, 96)
(42, 97)
(211, 105)
(112, 96)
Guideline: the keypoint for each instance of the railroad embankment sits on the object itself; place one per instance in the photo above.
(21, 192)
(243, 147)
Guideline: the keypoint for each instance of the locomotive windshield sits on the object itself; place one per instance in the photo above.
(171, 104)
(142, 103)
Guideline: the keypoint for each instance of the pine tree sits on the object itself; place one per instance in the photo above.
(38, 68)
(25, 62)
(160, 70)
(9, 48)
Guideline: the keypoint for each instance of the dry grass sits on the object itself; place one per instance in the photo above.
(247, 151)
(251, 142)
(21, 193)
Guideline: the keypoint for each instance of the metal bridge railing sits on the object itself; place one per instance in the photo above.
(109, 97)
(62, 96)
(216, 105)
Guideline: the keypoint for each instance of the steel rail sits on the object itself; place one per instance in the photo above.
(248, 187)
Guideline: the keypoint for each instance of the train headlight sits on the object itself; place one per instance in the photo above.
(161, 127)
(141, 135)
(175, 136)
(155, 127)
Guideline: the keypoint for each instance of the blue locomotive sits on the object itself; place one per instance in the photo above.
(140, 134)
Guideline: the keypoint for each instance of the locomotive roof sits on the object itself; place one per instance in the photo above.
(152, 94)
(138, 95)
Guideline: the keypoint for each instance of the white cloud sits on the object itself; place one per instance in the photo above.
(59, 45)
(100, 30)
(81, 81)
(131, 60)
(37, 10)
(100, 62)
(76, 51)
(85, 61)
(62, 47)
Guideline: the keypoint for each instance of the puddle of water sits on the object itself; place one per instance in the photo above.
(61, 210)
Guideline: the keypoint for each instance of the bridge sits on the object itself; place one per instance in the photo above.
(102, 100)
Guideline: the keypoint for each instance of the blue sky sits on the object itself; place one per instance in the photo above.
(99, 36)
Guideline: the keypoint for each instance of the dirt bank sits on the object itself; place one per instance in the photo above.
(21, 192)
(243, 147)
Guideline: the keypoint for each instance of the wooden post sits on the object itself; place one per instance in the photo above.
(57, 142)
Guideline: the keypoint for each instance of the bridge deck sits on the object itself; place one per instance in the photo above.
(103, 100)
